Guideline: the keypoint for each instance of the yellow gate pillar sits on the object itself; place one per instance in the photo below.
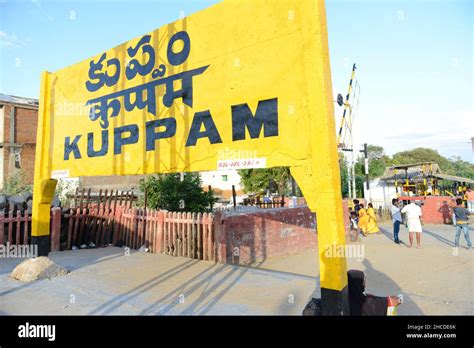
(44, 187)
(320, 180)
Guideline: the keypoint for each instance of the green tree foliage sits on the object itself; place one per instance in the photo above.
(461, 168)
(421, 154)
(344, 177)
(360, 178)
(170, 193)
(16, 185)
(453, 166)
(377, 162)
(260, 179)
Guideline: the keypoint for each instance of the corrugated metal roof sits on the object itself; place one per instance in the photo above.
(453, 178)
(12, 99)
(414, 172)
(419, 171)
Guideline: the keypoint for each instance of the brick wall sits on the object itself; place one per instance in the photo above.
(436, 210)
(244, 238)
(26, 122)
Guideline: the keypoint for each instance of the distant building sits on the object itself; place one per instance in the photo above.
(221, 182)
(417, 179)
(18, 123)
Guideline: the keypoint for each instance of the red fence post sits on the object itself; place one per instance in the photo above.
(55, 228)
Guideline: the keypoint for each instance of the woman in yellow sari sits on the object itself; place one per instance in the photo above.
(367, 222)
(372, 226)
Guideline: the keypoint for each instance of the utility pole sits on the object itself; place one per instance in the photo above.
(351, 188)
(366, 168)
(354, 191)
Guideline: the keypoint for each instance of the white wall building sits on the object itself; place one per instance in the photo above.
(380, 193)
(221, 182)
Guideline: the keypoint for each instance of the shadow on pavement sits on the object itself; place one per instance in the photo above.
(374, 276)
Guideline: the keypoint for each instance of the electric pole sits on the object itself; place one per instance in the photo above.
(366, 168)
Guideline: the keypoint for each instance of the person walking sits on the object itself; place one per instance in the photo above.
(461, 216)
(470, 199)
(396, 219)
(413, 214)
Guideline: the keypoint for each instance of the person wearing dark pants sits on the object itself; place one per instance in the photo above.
(396, 219)
(462, 223)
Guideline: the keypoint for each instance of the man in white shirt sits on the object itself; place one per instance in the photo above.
(413, 214)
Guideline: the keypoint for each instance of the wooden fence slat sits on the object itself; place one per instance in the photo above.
(69, 231)
(82, 198)
(18, 225)
(81, 233)
(188, 235)
(159, 231)
(76, 226)
(168, 233)
(99, 225)
(178, 234)
(25, 228)
(148, 230)
(194, 236)
(10, 227)
(55, 234)
(199, 239)
(129, 230)
(2, 229)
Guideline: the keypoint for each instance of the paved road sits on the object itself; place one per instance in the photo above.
(433, 280)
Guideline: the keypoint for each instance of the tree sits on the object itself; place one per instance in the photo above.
(453, 166)
(259, 180)
(170, 193)
(421, 154)
(344, 177)
(377, 162)
(460, 168)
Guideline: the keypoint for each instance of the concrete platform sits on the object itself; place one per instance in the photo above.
(108, 282)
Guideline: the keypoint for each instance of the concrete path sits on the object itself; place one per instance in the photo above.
(106, 281)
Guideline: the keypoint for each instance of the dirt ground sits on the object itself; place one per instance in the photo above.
(433, 280)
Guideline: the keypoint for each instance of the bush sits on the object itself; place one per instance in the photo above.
(170, 193)
(15, 186)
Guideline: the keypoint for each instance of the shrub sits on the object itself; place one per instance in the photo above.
(170, 193)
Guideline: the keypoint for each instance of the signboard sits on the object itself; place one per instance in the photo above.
(248, 77)
(232, 76)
